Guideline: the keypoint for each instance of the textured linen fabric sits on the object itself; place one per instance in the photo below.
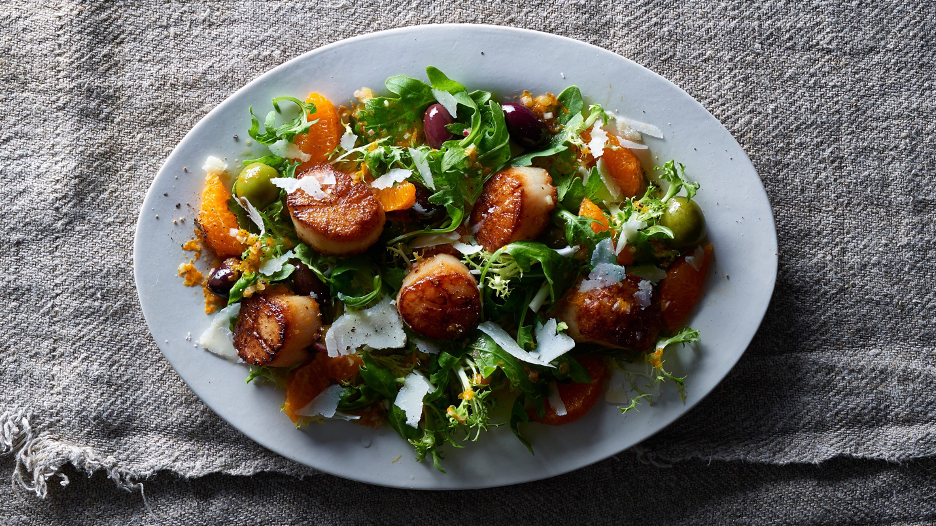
(835, 105)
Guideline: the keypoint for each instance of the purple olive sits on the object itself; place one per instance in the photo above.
(307, 283)
(524, 126)
(223, 277)
(435, 120)
(422, 208)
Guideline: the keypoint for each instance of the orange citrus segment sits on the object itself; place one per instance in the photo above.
(399, 197)
(323, 136)
(682, 287)
(590, 209)
(310, 380)
(623, 166)
(577, 398)
(216, 221)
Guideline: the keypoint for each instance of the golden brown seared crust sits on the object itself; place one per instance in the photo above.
(514, 205)
(347, 221)
(439, 298)
(274, 330)
(612, 316)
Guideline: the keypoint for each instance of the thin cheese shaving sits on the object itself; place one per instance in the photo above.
(502, 339)
(555, 401)
(447, 100)
(603, 275)
(410, 398)
(272, 266)
(380, 327)
(628, 230)
(347, 139)
(467, 249)
(695, 260)
(431, 240)
(252, 213)
(214, 166)
(549, 344)
(396, 175)
(325, 404)
(426, 346)
(598, 140)
(642, 127)
(288, 150)
(218, 337)
(566, 250)
(422, 166)
(644, 294)
(308, 184)
(608, 181)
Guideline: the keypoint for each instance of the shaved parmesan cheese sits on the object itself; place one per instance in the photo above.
(631, 144)
(603, 253)
(380, 327)
(695, 260)
(218, 337)
(347, 139)
(642, 127)
(396, 175)
(603, 275)
(628, 230)
(252, 213)
(410, 398)
(431, 240)
(422, 166)
(549, 344)
(214, 166)
(648, 272)
(540, 297)
(598, 140)
(467, 249)
(555, 401)
(288, 150)
(644, 293)
(502, 339)
(618, 389)
(566, 251)
(426, 346)
(272, 266)
(308, 184)
(325, 404)
(608, 181)
(447, 100)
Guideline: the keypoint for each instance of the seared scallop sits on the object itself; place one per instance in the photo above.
(347, 219)
(623, 315)
(515, 204)
(440, 298)
(274, 330)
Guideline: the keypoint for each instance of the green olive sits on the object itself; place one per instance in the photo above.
(684, 217)
(254, 184)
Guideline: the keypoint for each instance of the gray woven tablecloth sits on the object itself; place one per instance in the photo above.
(835, 105)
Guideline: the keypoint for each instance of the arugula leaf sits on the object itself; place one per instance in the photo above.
(394, 117)
(519, 415)
(287, 130)
(489, 357)
(578, 230)
(247, 279)
(572, 103)
(572, 189)
(378, 378)
(560, 142)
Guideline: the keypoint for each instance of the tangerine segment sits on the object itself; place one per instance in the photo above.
(591, 210)
(622, 165)
(215, 220)
(310, 380)
(682, 287)
(577, 398)
(399, 197)
(323, 136)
